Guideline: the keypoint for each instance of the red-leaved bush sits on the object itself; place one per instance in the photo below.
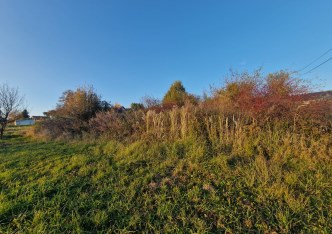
(275, 96)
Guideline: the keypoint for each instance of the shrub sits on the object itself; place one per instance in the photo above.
(275, 96)
(117, 125)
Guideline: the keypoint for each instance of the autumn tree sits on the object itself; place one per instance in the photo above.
(177, 95)
(283, 93)
(10, 101)
(81, 104)
(73, 112)
(240, 93)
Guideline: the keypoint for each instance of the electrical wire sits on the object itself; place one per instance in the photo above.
(317, 66)
(315, 60)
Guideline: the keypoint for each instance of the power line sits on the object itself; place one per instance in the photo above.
(318, 66)
(315, 60)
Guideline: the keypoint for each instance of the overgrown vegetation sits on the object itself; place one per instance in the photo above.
(250, 99)
(254, 157)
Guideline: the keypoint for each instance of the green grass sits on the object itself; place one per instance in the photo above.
(163, 187)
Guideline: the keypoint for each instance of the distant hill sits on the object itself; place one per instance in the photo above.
(320, 95)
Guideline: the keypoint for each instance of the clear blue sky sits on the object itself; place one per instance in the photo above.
(130, 48)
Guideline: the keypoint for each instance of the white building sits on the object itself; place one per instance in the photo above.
(24, 122)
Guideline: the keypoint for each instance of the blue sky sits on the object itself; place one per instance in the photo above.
(130, 48)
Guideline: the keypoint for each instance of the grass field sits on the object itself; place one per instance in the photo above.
(174, 187)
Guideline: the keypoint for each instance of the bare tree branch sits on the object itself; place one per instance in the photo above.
(10, 101)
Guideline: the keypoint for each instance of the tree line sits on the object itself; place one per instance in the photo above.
(276, 97)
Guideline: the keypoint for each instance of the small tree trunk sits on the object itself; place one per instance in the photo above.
(1, 132)
(3, 125)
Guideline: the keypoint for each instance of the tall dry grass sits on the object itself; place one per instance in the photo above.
(238, 134)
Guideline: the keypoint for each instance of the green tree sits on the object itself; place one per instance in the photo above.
(177, 95)
(25, 114)
(136, 106)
